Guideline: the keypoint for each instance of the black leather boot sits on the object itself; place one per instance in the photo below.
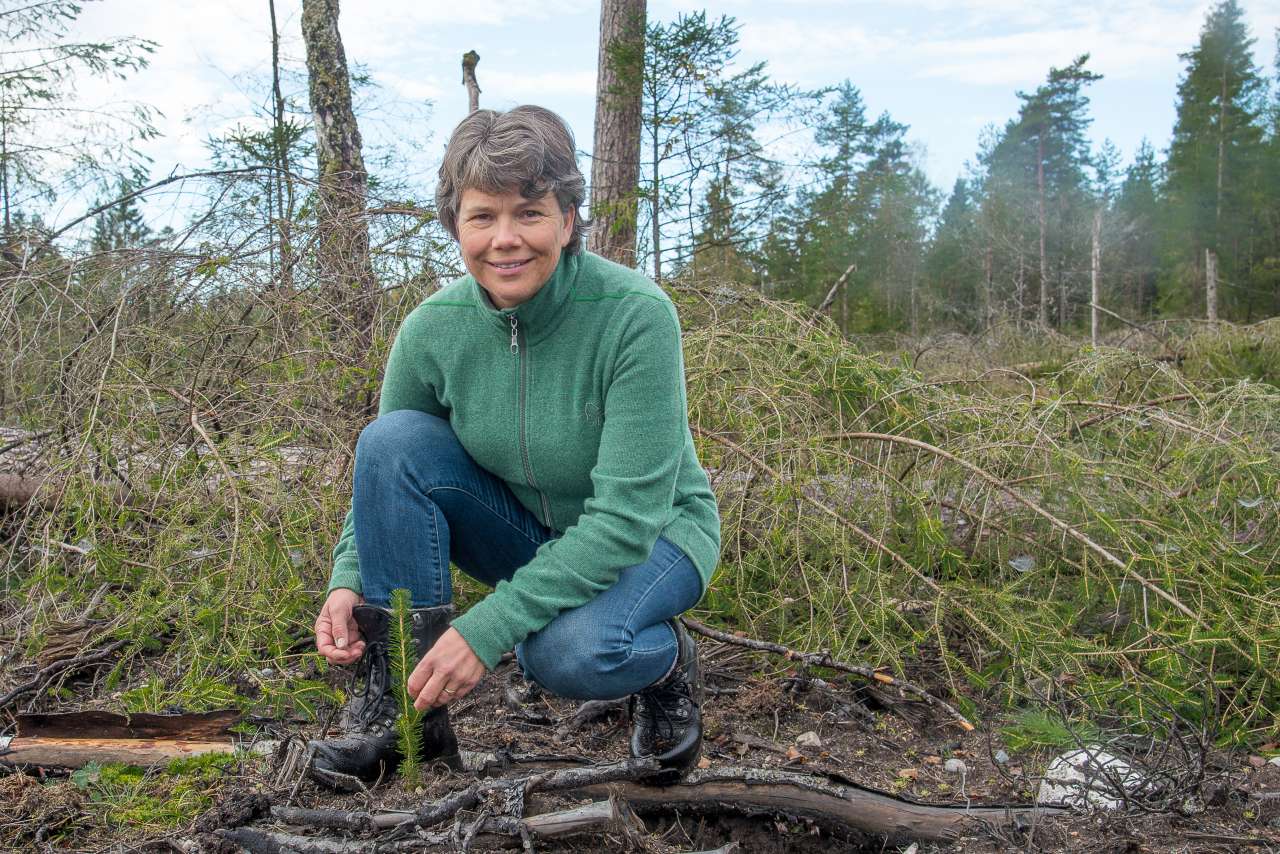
(439, 744)
(369, 745)
(666, 717)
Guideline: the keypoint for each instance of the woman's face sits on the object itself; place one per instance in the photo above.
(511, 244)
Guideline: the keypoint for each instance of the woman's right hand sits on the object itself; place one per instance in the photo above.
(337, 635)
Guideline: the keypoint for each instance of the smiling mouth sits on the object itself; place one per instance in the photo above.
(508, 265)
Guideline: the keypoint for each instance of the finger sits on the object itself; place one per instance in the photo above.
(341, 628)
(419, 677)
(433, 694)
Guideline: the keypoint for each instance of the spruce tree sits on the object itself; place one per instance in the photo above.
(1214, 160)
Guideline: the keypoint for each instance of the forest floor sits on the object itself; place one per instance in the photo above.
(757, 707)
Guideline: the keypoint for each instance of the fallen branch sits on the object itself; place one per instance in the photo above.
(547, 781)
(824, 659)
(831, 294)
(834, 803)
(842, 808)
(597, 816)
(43, 676)
(588, 712)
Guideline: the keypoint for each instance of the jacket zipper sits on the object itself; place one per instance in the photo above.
(522, 382)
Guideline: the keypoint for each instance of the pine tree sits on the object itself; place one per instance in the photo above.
(952, 264)
(39, 69)
(122, 225)
(1037, 172)
(1137, 210)
(1214, 158)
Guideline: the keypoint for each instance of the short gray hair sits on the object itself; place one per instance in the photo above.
(529, 148)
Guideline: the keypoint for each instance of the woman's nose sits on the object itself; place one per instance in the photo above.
(505, 233)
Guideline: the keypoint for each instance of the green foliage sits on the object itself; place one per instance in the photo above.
(404, 658)
(1215, 165)
(156, 800)
(1039, 729)
(1024, 538)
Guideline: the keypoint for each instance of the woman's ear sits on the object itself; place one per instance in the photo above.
(567, 234)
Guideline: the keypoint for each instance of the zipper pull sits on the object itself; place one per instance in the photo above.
(515, 346)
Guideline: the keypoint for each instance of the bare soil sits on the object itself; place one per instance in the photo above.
(754, 714)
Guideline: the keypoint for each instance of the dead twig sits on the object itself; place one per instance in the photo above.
(824, 659)
(66, 665)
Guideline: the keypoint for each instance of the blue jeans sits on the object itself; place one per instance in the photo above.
(420, 501)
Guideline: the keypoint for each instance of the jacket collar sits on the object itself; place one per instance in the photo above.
(540, 315)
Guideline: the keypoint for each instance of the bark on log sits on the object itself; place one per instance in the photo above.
(843, 809)
(615, 164)
(69, 753)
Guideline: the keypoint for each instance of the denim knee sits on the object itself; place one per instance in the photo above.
(394, 434)
(581, 662)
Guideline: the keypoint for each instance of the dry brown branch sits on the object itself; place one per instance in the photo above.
(824, 659)
(65, 666)
(841, 807)
(831, 294)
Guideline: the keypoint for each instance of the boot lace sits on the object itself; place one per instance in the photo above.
(666, 709)
(371, 670)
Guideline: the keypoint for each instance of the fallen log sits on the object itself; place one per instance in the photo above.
(843, 809)
(72, 753)
(596, 816)
(74, 739)
(837, 805)
(17, 490)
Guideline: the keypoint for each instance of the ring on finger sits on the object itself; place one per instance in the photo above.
(450, 692)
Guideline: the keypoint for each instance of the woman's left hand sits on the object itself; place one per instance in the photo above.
(446, 673)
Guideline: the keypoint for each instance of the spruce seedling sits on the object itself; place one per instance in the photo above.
(403, 660)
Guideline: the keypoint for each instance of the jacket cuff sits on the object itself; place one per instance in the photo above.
(476, 633)
(346, 573)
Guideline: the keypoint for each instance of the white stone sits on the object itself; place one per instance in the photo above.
(955, 766)
(1090, 777)
(808, 739)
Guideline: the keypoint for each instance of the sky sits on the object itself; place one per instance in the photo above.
(946, 68)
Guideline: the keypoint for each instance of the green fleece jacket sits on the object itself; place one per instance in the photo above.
(576, 400)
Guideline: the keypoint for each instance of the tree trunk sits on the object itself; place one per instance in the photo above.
(657, 196)
(470, 60)
(342, 254)
(1211, 284)
(1044, 258)
(1095, 269)
(280, 148)
(615, 166)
